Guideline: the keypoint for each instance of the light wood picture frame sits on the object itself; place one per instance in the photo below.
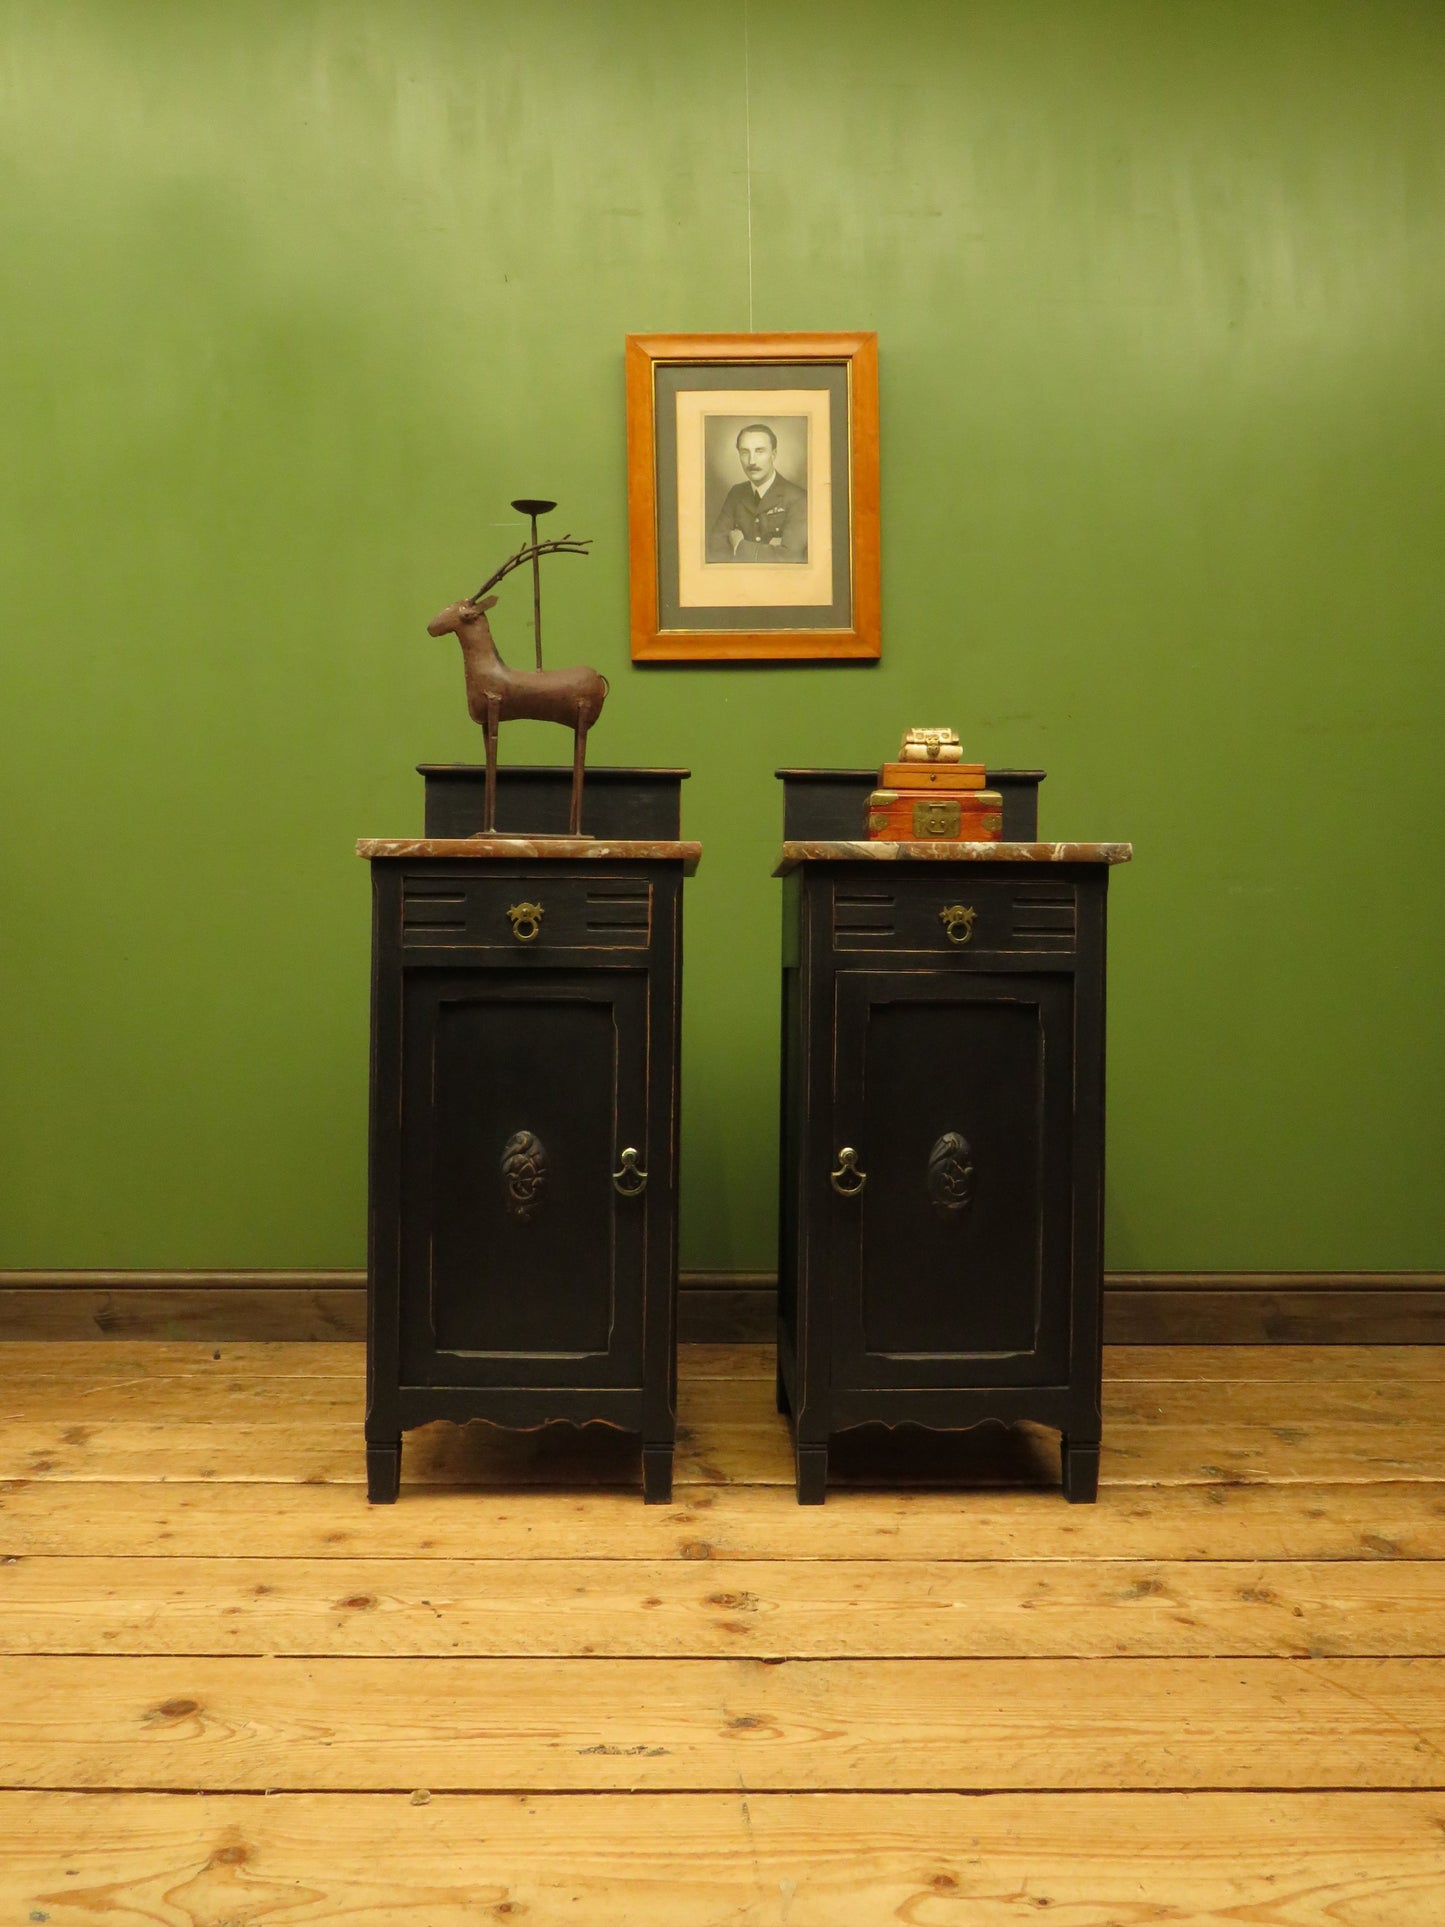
(752, 494)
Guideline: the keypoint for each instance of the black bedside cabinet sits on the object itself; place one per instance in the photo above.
(523, 1235)
(942, 1141)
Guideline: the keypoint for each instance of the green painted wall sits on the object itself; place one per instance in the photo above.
(298, 294)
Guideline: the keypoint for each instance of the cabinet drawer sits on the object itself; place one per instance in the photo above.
(958, 912)
(524, 915)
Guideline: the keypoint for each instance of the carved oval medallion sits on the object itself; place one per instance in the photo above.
(950, 1175)
(524, 1167)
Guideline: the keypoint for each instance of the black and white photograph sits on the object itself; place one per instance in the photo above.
(757, 488)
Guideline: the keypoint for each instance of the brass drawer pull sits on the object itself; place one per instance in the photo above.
(526, 921)
(630, 1181)
(847, 1180)
(957, 920)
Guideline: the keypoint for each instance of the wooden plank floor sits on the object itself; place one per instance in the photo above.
(230, 1692)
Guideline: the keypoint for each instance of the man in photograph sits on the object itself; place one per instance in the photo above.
(765, 518)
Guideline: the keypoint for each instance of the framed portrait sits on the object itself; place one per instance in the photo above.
(752, 493)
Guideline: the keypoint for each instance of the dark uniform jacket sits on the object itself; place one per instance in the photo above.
(774, 529)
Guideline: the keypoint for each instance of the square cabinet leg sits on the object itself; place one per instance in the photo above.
(1081, 1471)
(656, 1474)
(383, 1472)
(781, 1393)
(812, 1474)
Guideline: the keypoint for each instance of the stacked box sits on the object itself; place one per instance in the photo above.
(934, 815)
(932, 776)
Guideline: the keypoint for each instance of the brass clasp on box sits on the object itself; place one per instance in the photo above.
(847, 1180)
(629, 1182)
(526, 921)
(933, 818)
(957, 920)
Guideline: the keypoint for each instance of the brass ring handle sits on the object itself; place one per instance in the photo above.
(526, 921)
(630, 1181)
(847, 1170)
(957, 920)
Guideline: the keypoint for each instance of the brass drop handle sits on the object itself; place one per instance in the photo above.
(847, 1180)
(631, 1180)
(957, 920)
(526, 921)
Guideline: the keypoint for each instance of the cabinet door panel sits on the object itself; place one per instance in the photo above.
(520, 1092)
(952, 1264)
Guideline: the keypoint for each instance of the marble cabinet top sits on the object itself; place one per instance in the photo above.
(544, 849)
(941, 852)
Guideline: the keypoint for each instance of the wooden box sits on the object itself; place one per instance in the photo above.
(833, 803)
(933, 776)
(928, 816)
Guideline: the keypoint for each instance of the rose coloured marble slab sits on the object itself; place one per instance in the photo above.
(588, 849)
(941, 852)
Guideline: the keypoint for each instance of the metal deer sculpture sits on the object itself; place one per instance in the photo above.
(496, 694)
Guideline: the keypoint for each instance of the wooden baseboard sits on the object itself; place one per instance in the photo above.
(1161, 1307)
(229, 1306)
(1274, 1308)
(729, 1307)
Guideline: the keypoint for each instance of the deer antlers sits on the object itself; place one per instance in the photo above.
(559, 545)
